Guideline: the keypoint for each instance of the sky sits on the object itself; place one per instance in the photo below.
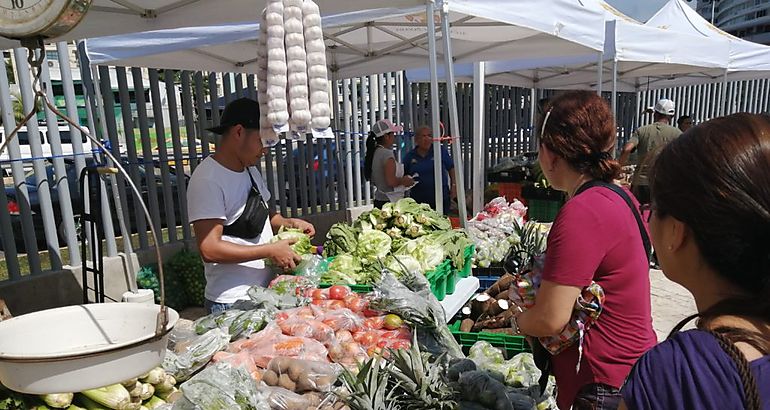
(639, 9)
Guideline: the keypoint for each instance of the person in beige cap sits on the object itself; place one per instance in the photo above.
(646, 141)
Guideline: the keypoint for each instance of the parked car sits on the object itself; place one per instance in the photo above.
(72, 180)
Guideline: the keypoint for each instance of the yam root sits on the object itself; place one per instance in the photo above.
(498, 322)
(498, 307)
(481, 305)
(501, 331)
(466, 325)
(501, 285)
(503, 295)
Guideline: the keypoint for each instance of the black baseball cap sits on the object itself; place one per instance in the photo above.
(243, 111)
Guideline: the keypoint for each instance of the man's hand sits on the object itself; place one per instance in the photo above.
(283, 255)
(305, 226)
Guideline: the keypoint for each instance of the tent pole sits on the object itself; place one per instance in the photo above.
(599, 73)
(614, 87)
(457, 149)
(723, 97)
(478, 136)
(532, 118)
(435, 102)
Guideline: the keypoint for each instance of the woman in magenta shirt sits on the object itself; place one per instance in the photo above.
(595, 237)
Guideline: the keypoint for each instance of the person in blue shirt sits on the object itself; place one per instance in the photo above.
(420, 161)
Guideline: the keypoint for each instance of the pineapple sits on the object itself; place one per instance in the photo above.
(532, 242)
(419, 384)
(368, 390)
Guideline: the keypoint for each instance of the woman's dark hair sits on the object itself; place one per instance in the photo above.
(715, 178)
(371, 146)
(580, 128)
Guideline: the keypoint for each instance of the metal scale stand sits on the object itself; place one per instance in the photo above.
(93, 234)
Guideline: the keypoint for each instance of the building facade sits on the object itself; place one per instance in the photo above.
(747, 19)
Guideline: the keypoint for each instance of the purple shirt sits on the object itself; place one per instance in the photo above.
(691, 371)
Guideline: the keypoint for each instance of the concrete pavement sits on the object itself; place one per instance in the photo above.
(670, 304)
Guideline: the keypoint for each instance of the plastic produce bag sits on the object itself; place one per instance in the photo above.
(237, 323)
(413, 301)
(223, 387)
(312, 267)
(182, 364)
(300, 375)
(270, 342)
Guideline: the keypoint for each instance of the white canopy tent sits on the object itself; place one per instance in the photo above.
(111, 17)
(644, 56)
(371, 41)
(747, 61)
(384, 39)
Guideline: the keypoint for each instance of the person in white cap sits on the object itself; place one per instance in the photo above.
(646, 141)
(380, 162)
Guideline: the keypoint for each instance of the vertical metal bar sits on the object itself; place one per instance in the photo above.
(382, 98)
(299, 173)
(467, 141)
(117, 183)
(189, 121)
(133, 165)
(251, 86)
(160, 135)
(357, 136)
(723, 102)
(61, 178)
(227, 88)
(148, 165)
(288, 166)
(350, 183)
(315, 176)
(22, 196)
(239, 85)
(38, 164)
(599, 73)
(215, 104)
(478, 135)
(181, 186)
(202, 120)
(330, 177)
(106, 220)
(366, 90)
(615, 89)
(282, 186)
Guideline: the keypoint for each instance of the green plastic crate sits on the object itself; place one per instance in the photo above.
(451, 281)
(437, 279)
(543, 210)
(510, 345)
(470, 250)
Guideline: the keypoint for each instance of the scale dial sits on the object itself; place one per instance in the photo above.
(46, 18)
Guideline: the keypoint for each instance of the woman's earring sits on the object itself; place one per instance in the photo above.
(671, 247)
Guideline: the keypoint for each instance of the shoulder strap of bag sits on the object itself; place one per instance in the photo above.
(618, 190)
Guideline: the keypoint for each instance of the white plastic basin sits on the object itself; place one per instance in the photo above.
(81, 347)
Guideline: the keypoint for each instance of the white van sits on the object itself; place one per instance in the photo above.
(64, 135)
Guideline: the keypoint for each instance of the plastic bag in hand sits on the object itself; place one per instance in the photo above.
(312, 267)
(183, 364)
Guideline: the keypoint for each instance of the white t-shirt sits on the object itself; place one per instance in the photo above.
(215, 192)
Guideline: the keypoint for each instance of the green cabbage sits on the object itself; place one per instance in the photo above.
(400, 264)
(373, 245)
(301, 247)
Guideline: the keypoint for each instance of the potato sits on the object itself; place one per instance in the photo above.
(285, 381)
(270, 378)
(280, 365)
(296, 369)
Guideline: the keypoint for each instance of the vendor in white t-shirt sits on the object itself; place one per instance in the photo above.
(227, 204)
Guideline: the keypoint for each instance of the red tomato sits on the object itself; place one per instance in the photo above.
(399, 344)
(370, 338)
(319, 294)
(355, 302)
(371, 313)
(344, 336)
(334, 304)
(374, 322)
(318, 302)
(338, 292)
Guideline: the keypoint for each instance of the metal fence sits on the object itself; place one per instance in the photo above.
(155, 122)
